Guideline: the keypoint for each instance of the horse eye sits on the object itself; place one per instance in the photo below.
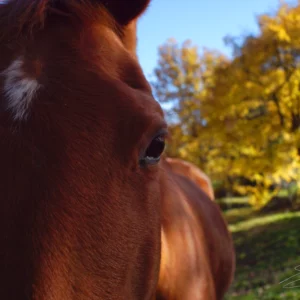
(153, 151)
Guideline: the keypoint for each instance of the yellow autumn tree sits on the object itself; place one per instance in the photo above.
(241, 116)
(179, 87)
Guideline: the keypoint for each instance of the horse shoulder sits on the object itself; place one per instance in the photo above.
(197, 251)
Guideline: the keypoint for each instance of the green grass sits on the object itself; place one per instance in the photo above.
(267, 251)
(233, 202)
(262, 221)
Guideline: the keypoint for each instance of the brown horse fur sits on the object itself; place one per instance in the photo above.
(197, 261)
(80, 219)
(191, 171)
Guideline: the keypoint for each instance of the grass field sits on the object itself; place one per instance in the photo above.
(267, 252)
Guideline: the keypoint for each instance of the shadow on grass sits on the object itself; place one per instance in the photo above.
(267, 251)
(236, 215)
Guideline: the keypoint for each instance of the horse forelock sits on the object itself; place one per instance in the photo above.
(26, 18)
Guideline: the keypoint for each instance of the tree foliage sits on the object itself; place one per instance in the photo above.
(238, 118)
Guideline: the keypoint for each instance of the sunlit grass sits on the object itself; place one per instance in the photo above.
(262, 220)
(235, 200)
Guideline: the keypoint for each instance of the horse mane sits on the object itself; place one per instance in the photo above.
(23, 17)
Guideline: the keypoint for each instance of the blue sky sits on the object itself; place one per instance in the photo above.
(205, 22)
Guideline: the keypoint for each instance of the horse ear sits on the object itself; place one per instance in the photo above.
(125, 11)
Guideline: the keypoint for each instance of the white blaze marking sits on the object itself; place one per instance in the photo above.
(19, 89)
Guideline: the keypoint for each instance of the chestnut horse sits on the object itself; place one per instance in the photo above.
(85, 202)
(81, 137)
(191, 171)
